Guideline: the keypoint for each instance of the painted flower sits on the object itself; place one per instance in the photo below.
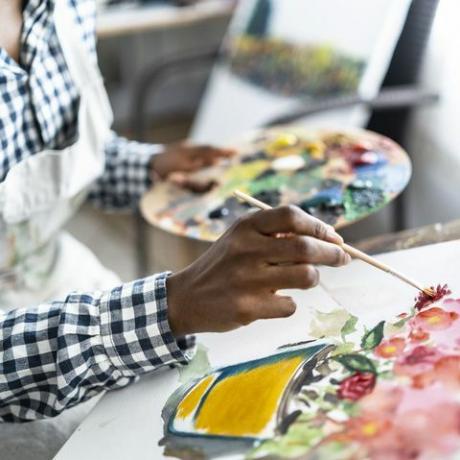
(419, 360)
(433, 430)
(420, 355)
(356, 386)
(423, 300)
(423, 424)
(390, 348)
(435, 319)
(447, 370)
(419, 335)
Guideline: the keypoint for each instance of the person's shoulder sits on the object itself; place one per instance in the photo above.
(84, 10)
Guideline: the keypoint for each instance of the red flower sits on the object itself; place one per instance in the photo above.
(423, 299)
(356, 386)
(390, 348)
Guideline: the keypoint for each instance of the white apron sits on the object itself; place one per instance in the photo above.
(38, 262)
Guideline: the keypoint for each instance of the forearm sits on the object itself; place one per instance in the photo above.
(57, 355)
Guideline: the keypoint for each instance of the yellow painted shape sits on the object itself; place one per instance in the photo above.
(247, 171)
(317, 149)
(193, 398)
(283, 141)
(245, 403)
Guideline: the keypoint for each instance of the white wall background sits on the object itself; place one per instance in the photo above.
(435, 134)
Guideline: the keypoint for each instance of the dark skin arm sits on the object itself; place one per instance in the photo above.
(236, 281)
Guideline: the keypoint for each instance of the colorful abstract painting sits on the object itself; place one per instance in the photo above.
(280, 55)
(337, 176)
(295, 70)
(390, 392)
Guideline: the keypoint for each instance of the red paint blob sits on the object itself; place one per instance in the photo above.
(424, 300)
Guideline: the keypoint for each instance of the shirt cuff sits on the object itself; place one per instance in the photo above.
(135, 330)
(139, 160)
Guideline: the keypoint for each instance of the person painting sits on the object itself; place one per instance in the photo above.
(69, 330)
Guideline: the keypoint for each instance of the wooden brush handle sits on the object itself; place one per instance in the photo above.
(355, 253)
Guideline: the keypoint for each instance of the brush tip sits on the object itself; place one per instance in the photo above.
(429, 292)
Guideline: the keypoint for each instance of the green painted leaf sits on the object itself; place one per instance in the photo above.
(373, 337)
(349, 327)
(356, 363)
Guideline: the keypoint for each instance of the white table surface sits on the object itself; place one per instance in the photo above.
(126, 424)
(123, 20)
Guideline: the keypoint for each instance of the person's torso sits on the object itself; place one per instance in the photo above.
(38, 98)
(54, 120)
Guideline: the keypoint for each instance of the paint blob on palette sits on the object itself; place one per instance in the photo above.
(392, 391)
(337, 176)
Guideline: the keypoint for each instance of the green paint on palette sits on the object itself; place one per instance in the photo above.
(360, 203)
(273, 182)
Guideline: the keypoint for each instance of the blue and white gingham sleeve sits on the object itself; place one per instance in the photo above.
(127, 174)
(57, 355)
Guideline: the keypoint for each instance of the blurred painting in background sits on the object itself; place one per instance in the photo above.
(281, 54)
(289, 67)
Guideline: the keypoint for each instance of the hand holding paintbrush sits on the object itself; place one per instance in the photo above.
(353, 252)
(243, 276)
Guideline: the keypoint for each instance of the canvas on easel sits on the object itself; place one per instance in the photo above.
(279, 54)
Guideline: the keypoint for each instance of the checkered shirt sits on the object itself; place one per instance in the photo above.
(56, 355)
(39, 106)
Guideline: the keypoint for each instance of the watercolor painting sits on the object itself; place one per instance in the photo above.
(239, 405)
(279, 55)
(284, 67)
(390, 392)
(337, 176)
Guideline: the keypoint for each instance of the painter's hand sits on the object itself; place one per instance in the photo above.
(183, 157)
(235, 282)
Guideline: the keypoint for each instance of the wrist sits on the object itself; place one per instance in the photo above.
(175, 306)
(156, 169)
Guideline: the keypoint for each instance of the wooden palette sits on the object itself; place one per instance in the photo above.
(339, 176)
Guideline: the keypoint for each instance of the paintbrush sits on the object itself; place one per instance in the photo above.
(355, 253)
